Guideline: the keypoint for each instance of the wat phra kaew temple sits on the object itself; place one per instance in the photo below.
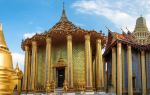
(69, 58)
(65, 56)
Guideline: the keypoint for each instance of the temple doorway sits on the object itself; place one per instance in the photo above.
(60, 68)
(61, 77)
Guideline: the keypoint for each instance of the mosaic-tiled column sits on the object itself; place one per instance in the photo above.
(29, 71)
(48, 60)
(143, 73)
(99, 67)
(69, 59)
(119, 69)
(34, 65)
(129, 62)
(88, 63)
(25, 78)
(114, 68)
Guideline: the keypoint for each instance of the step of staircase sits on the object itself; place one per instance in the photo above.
(58, 91)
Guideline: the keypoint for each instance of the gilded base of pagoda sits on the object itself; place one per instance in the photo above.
(7, 81)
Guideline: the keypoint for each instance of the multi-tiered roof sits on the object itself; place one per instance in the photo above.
(59, 32)
(129, 38)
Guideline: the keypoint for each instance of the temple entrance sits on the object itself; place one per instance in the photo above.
(61, 77)
(60, 67)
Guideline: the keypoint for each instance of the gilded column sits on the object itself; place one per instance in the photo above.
(119, 69)
(48, 60)
(88, 63)
(34, 63)
(143, 73)
(103, 70)
(69, 58)
(114, 68)
(26, 68)
(99, 67)
(129, 62)
(29, 71)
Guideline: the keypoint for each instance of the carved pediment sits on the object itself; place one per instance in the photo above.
(61, 63)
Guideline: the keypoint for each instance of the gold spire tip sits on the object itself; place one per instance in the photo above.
(1, 27)
(63, 16)
(17, 65)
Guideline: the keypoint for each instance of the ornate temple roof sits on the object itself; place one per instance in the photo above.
(61, 29)
(130, 38)
(114, 36)
(124, 38)
(64, 24)
(141, 25)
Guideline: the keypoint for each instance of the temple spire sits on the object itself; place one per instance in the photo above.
(2, 39)
(17, 67)
(63, 16)
(141, 25)
(63, 5)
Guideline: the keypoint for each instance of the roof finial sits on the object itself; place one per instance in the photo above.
(1, 27)
(108, 29)
(17, 65)
(2, 39)
(63, 5)
(63, 17)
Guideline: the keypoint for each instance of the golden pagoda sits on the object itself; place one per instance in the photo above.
(141, 32)
(8, 76)
(65, 55)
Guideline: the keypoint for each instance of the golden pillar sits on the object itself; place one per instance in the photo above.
(34, 65)
(69, 58)
(48, 60)
(88, 63)
(29, 71)
(123, 69)
(129, 62)
(25, 78)
(114, 68)
(119, 69)
(99, 67)
(143, 73)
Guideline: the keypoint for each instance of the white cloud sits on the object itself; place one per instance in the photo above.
(29, 35)
(79, 24)
(18, 58)
(123, 13)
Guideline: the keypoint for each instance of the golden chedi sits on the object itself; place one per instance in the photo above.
(8, 76)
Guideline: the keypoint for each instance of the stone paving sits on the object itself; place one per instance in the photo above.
(60, 92)
(77, 93)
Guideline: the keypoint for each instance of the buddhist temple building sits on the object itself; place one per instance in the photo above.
(127, 56)
(66, 57)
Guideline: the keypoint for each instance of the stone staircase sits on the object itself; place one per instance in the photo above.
(58, 91)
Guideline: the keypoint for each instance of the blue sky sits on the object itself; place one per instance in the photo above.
(23, 18)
